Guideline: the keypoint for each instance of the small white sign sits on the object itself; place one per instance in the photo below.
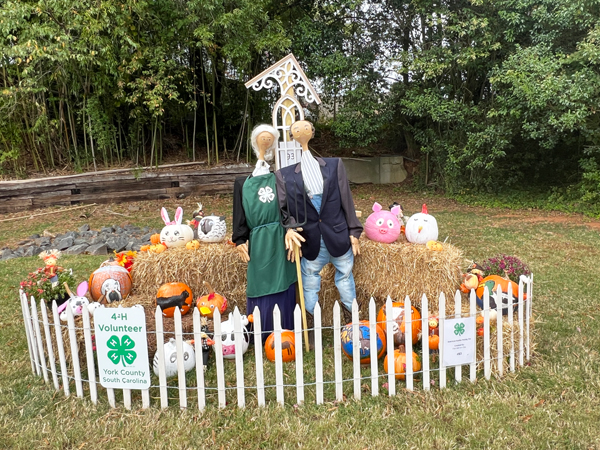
(122, 348)
(459, 342)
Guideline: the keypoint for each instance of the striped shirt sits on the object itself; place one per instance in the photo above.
(311, 174)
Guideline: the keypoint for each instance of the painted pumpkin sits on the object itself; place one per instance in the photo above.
(112, 282)
(228, 337)
(421, 227)
(193, 245)
(399, 322)
(155, 238)
(212, 229)
(170, 351)
(434, 246)
(365, 341)
(383, 226)
(400, 363)
(288, 346)
(175, 234)
(174, 295)
(211, 301)
(492, 282)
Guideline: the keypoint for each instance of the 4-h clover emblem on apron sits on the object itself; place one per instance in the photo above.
(265, 194)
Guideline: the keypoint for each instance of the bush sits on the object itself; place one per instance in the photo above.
(505, 265)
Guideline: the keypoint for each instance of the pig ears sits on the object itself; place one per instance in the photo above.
(82, 288)
(165, 215)
(178, 215)
(395, 210)
(376, 207)
(424, 209)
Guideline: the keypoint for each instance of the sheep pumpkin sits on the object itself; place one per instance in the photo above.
(400, 363)
(174, 295)
(211, 301)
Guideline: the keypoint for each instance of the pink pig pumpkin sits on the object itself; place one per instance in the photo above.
(383, 225)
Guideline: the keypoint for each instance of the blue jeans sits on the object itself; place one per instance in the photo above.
(311, 280)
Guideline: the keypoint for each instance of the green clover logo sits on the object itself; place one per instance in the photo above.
(459, 329)
(121, 350)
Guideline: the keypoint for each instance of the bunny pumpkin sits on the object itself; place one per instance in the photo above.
(175, 234)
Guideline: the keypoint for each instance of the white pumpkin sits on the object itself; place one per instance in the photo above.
(175, 234)
(421, 227)
(228, 337)
(212, 229)
(170, 351)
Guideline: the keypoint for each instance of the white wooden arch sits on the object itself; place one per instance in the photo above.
(293, 84)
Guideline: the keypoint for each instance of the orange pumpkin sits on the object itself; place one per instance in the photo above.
(400, 363)
(155, 238)
(208, 303)
(288, 346)
(157, 248)
(400, 322)
(110, 281)
(193, 245)
(144, 248)
(173, 295)
(434, 342)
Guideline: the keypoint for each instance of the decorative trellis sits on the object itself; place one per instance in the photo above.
(293, 84)
(69, 371)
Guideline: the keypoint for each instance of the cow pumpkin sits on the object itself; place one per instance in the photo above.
(288, 346)
(174, 295)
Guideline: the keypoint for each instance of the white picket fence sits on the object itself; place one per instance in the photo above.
(44, 362)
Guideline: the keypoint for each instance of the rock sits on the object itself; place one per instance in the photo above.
(43, 241)
(97, 240)
(47, 233)
(86, 234)
(76, 249)
(24, 242)
(118, 230)
(32, 251)
(80, 241)
(64, 243)
(107, 229)
(34, 236)
(72, 234)
(146, 237)
(98, 249)
(5, 254)
(117, 243)
(84, 227)
(136, 247)
(145, 229)
(11, 256)
(132, 228)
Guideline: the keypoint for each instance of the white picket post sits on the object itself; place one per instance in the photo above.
(373, 336)
(127, 398)
(473, 313)
(61, 349)
(356, 350)
(199, 360)
(24, 309)
(391, 368)
(89, 354)
(499, 329)
(258, 357)
(38, 335)
(278, 360)
(74, 353)
(337, 353)
(487, 366)
(239, 357)
(180, 368)
(512, 335)
(110, 393)
(160, 354)
(219, 359)
(34, 347)
(51, 358)
(457, 315)
(299, 355)
(145, 398)
(528, 316)
(425, 342)
(408, 343)
(318, 354)
(441, 321)
(521, 332)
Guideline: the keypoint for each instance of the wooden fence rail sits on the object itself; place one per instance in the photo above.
(122, 185)
(246, 377)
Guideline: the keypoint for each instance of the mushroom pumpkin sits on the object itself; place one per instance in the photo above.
(208, 303)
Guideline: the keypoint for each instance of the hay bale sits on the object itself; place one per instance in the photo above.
(398, 270)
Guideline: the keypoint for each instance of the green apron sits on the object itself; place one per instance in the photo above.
(269, 271)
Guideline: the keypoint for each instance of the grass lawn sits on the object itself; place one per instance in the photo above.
(552, 403)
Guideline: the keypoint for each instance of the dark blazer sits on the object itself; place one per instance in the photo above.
(337, 220)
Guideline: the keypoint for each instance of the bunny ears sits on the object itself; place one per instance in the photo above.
(178, 216)
(395, 209)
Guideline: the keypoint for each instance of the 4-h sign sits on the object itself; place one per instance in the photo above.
(459, 342)
(122, 348)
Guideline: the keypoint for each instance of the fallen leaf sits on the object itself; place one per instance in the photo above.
(526, 418)
(540, 403)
